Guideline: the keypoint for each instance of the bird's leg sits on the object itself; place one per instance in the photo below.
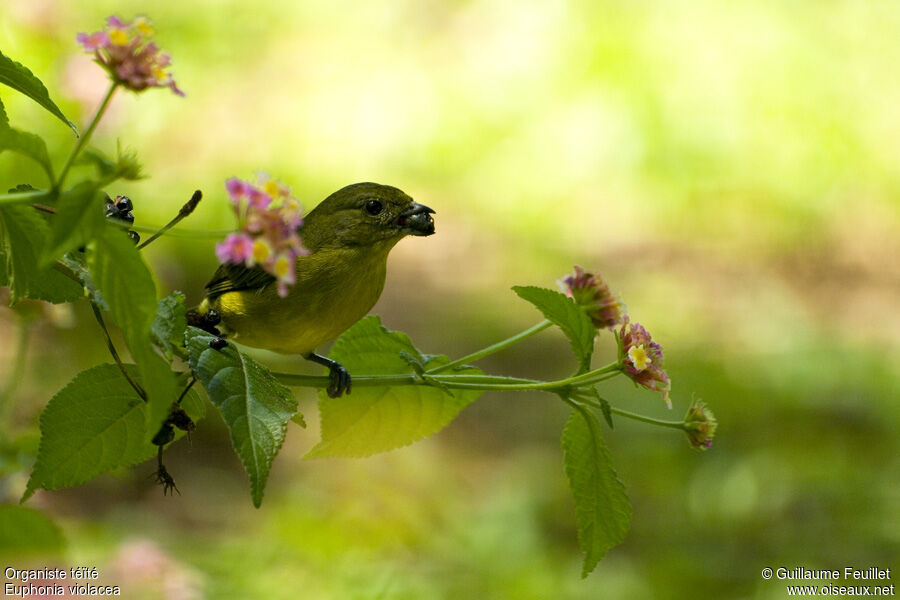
(340, 378)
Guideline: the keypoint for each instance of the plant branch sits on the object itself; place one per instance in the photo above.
(185, 211)
(460, 382)
(115, 355)
(492, 348)
(23, 197)
(633, 416)
(83, 140)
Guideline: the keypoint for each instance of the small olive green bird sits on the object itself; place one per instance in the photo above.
(349, 236)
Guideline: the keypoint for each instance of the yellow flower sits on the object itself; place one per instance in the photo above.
(271, 188)
(261, 251)
(118, 37)
(281, 266)
(639, 357)
(143, 25)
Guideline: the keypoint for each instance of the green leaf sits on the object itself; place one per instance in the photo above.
(93, 425)
(605, 407)
(25, 531)
(18, 77)
(119, 272)
(169, 323)
(378, 419)
(76, 263)
(4, 281)
(254, 405)
(79, 217)
(26, 144)
(126, 165)
(602, 510)
(24, 234)
(563, 312)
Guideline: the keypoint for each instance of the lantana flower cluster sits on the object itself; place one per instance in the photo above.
(593, 294)
(642, 358)
(123, 49)
(269, 218)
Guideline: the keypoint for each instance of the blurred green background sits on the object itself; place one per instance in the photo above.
(732, 168)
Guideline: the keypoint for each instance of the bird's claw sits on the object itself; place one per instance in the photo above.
(340, 381)
(164, 479)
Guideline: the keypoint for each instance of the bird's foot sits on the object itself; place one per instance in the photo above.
(207, 321)
(340, 379)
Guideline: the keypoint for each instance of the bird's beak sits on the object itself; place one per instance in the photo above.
(417, 220)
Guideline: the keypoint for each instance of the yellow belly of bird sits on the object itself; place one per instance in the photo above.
(334, 289)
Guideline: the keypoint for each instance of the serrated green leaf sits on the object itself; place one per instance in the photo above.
(563, 312)
(93, 425)
(19, 78)
(26, 144)
(194, 406)
(602, 510)
(75, 261)
(23, 234)
(169, 323)
(25, 531)
(122, 276)
(378, 419)
(79, 217)
(254, 405)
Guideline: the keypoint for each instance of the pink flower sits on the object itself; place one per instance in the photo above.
(93, 41)
(593, 294)
(269, 219)
(236, 249)
(643, 359)
(236, 188)
(124, 50)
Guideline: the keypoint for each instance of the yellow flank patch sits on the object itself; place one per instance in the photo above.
(639, 357)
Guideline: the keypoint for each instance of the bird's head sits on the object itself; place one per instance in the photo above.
(365, 214)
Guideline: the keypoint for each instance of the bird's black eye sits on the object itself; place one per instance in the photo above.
(373, 207)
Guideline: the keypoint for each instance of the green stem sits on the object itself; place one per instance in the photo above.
(83, 140)
(634, 416)
(185, 211)
(492, 348)
(459, 382)
(24, 197)
(646, 419)
(183, 233)
(115, 354)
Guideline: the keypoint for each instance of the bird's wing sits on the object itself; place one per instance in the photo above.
(234, 278)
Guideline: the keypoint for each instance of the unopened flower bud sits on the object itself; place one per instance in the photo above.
(700, 425)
